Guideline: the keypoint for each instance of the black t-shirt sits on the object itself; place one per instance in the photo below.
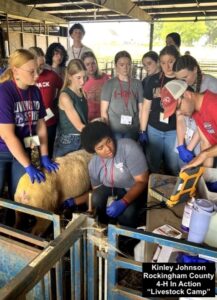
(152, 92)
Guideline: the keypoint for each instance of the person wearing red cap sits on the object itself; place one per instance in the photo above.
(202, 107)
(187, 68)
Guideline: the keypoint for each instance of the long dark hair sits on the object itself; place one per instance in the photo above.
(169, 50)
(151, 54)
(50, 53)
(175, 36)
(189, 63)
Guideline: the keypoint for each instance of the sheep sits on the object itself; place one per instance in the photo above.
(71, 180)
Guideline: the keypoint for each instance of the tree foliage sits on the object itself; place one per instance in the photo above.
(190, 32)
(211, 32)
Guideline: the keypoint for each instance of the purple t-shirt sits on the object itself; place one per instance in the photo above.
(19, 111)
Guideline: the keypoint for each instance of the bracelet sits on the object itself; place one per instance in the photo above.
(125, 201)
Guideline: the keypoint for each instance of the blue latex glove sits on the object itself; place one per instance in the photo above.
(35, 174)
(69, 203)
(143, 137)
(212, 186)
(116, 208)
(185, 258)
(185, 154)
(48, 164)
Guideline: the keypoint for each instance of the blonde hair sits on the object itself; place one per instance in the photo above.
(17, 59)
(74, 66)
(37, 51)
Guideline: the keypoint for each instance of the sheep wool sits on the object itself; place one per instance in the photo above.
(71, 180)
(41, 195)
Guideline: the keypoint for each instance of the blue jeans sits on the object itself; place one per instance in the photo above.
(11, 171)
(65, 144)
(161, 147)
(130, 217)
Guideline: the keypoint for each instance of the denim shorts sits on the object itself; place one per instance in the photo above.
(66, 143)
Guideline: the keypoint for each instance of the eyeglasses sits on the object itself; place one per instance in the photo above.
(31, 72)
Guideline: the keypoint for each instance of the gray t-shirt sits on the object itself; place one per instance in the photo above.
(116, 92)
(129, 161)
(209, 82)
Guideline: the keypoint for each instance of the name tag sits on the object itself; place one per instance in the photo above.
(49, 115)
(126, 120)
(189, 134)
(166, 121)
(31, 141)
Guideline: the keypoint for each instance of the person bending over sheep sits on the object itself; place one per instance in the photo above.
(118, 170)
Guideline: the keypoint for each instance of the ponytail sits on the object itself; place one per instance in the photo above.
(6, 75)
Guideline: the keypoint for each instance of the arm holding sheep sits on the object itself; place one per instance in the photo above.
(45, 160)
(42, 134)
(7, 133)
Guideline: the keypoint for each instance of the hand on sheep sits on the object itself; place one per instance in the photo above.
(35, 174)
(48, 164)
(116, 208)
(69, 203)
(68, 207)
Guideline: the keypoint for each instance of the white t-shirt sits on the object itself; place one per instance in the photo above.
(77, 52)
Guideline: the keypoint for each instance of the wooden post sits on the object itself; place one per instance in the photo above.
(151, 36)
(22, 30)
(8, 36)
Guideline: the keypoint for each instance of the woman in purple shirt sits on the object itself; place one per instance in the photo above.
(22, 125)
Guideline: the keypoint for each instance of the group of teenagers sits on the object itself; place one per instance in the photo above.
(145, 126)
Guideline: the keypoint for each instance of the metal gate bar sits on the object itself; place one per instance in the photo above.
(37, 212)
(44, 214)
(92, 268)
(33, 272)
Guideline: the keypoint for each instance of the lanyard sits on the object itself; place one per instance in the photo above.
(78, 53)
(112, 173)
(27, 108)
(125, 94)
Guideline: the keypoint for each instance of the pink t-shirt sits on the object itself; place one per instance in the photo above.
(92, 89)
(206, 118)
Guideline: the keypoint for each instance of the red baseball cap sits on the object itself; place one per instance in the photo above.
(170, 93)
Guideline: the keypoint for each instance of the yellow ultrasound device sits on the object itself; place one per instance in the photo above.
(182, 190)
